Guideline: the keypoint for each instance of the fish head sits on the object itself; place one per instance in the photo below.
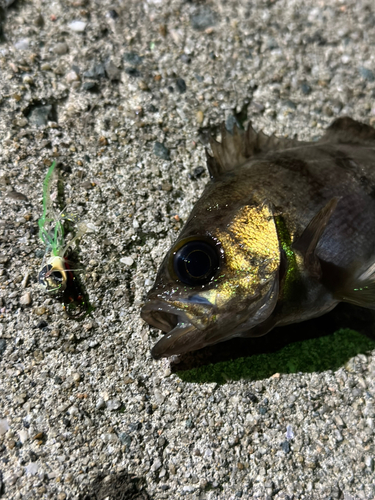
(219, 279)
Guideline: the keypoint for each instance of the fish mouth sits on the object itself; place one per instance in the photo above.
(185, 332)
(180, 334)
(159, 317)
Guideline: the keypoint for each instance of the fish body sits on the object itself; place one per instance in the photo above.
(282, 233)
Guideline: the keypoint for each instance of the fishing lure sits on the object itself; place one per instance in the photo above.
(56, 276)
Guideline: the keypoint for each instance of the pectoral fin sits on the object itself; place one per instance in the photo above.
(360, 290)
(307, 242)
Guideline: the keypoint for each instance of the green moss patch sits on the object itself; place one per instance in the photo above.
(313, 355)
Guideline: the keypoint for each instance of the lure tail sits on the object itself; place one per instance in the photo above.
(52, 237)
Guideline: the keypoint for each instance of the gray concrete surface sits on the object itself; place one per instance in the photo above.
(96, 84)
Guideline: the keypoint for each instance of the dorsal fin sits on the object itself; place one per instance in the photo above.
(345, 130)
(234, 149)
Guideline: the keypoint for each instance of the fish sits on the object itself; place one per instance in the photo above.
(282, 233)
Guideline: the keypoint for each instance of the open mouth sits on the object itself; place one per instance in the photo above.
(164, 321)
(195, 324)
(180, 334)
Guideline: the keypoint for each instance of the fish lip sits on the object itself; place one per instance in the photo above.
(172, 343)
(165, 316)
(178, 330)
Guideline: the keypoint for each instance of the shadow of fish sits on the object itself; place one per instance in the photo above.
(282, 233)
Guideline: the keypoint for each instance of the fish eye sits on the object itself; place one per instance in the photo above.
(196, 262)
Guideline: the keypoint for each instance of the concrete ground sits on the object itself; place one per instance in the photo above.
(123, 94)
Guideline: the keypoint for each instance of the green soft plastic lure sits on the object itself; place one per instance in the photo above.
(54, 239)
(55, 275)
